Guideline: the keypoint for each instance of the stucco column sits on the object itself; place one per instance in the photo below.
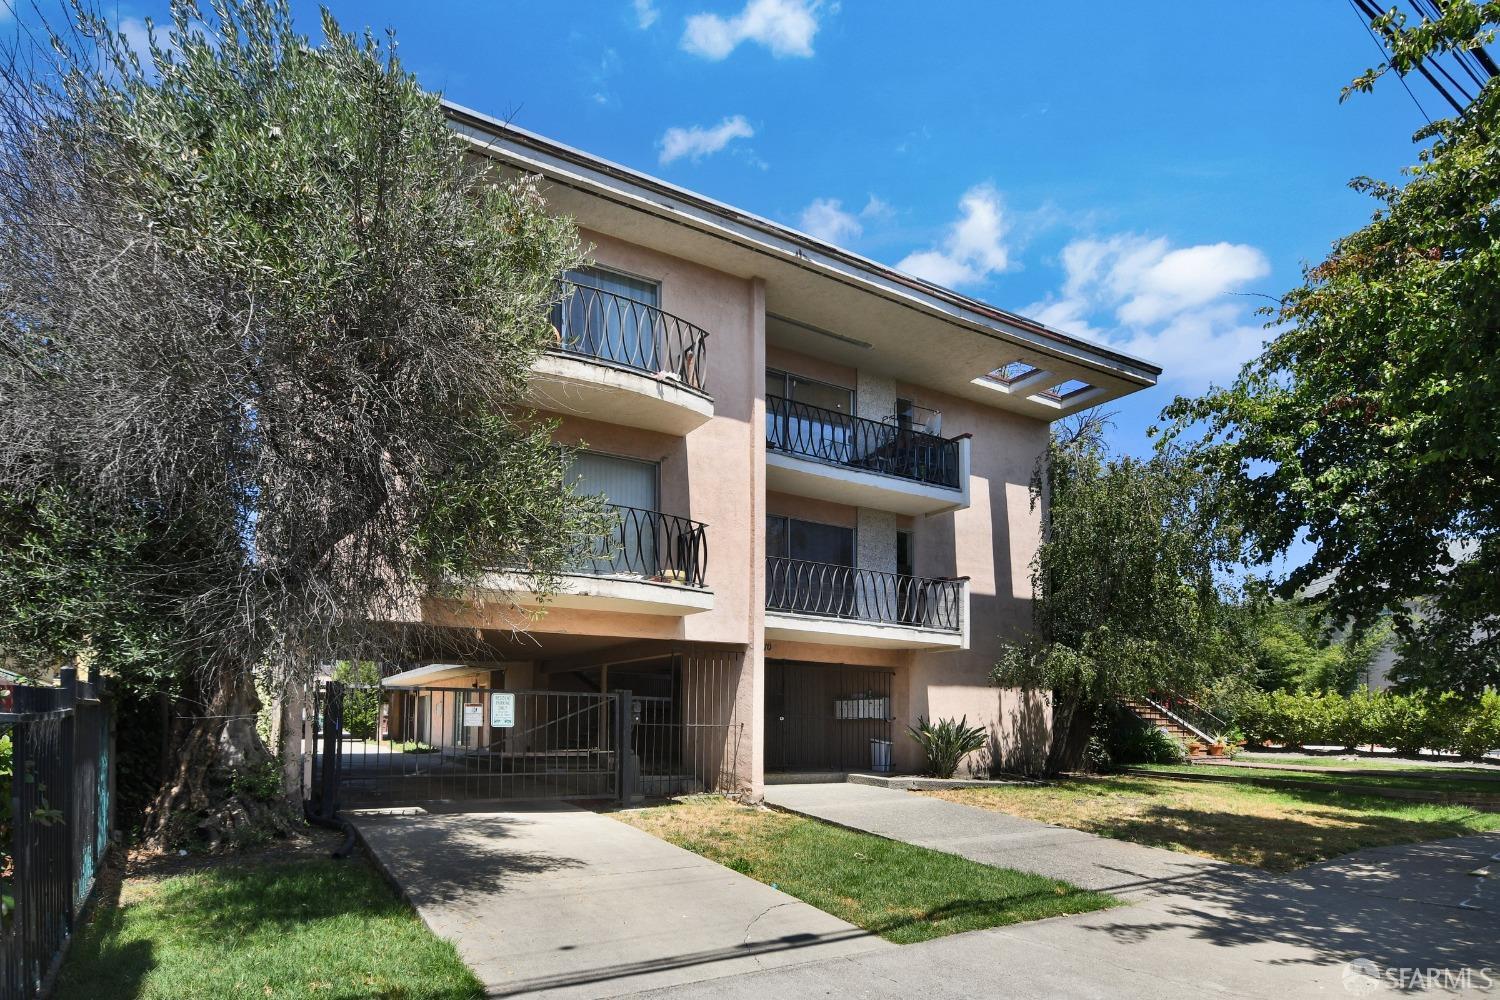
(753, 674)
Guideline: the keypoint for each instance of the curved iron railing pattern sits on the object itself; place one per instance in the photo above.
(860, 443)
(827, 590)
(650, 544)
(622, 331)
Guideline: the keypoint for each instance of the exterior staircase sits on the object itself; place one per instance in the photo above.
(1153, 715)
(1187, 723)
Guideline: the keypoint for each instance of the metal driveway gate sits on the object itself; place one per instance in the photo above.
(376, 746)
(384, 746)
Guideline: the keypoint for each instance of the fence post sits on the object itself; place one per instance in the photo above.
(66, 798)
(624, 720)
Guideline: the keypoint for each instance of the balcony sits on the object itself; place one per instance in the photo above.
(852, 460)
(647, 563)
(623, 362)
(844, 606)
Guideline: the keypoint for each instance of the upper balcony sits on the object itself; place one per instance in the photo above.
(647, 563)
(844, 606)
(814, 452)
(623, 362)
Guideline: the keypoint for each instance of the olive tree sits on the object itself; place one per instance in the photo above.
(260, 311)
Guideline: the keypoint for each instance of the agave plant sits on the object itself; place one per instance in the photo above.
(946, 743)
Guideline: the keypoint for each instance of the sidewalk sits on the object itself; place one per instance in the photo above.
(1196, 928)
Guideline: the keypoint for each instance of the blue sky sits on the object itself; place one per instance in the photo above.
(1144, 176)
(1139, 178)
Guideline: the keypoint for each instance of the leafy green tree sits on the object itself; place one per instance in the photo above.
(265, 326)
(361, 696)
(1369, 424)
(1294, 650)
(1129, 594)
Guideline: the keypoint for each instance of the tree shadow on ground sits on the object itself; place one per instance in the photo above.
(1337, 913)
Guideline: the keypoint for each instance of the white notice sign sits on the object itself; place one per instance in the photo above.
(473, 716)
(502, 710)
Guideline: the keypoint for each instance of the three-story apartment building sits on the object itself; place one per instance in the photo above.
(820, 468)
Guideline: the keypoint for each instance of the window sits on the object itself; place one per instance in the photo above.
(824, 395)
(647, 293)
(627, 482)
(808, 417)
(611, 316)
(821, 581)
(791, 538)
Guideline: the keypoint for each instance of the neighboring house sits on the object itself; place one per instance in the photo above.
(821, 469)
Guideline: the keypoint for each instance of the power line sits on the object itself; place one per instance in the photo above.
(1383, 55)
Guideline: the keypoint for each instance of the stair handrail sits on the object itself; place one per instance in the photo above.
(1204, 715)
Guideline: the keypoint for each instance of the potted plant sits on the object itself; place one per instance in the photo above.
(1196, 748)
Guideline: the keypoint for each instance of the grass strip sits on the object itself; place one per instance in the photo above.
(901, 892)
(333, 930)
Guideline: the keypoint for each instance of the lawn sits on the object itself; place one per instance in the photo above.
(1411, 767)
(901, 892)
(1432, 780)
(310, 928)
(1276, 829)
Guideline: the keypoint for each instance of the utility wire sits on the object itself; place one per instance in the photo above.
(1384, 55)
(1374, 14)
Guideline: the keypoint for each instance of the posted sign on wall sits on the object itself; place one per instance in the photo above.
(473, 716)
(502, 710)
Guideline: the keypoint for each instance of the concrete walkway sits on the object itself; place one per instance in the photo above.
(993, 838)
(550, 900)
(1194, 929)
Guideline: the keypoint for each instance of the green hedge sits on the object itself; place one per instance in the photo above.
(1469, 727)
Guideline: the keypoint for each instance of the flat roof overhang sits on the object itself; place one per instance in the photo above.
(820, 299)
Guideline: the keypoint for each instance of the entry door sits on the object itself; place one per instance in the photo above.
(630, 483)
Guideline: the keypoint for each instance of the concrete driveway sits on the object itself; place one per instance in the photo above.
(551, 900)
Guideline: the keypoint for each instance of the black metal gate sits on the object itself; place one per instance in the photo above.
(827, 717)
(377, 746)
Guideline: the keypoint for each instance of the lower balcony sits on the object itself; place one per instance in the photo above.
(845, 606)
(648, 563)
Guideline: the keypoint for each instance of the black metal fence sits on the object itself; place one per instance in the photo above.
(59, 800)
(832, 591)
(653, 545)
(860, 443)
(622, 331)
(386, 746)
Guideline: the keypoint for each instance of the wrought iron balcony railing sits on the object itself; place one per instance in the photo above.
(830, 591)
(860, 443)
(651, 545)
(621, 331)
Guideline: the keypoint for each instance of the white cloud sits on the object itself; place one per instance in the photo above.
(1175, 307)
(696, 142)
(645, 13)
(786, 27)
(877, 208)
(826, 219)
(974, 247)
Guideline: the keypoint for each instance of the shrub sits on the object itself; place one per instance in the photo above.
(946, 743)
(1147, 745)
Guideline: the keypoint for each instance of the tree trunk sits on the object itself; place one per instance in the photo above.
(1072, 724)
(222, 788)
